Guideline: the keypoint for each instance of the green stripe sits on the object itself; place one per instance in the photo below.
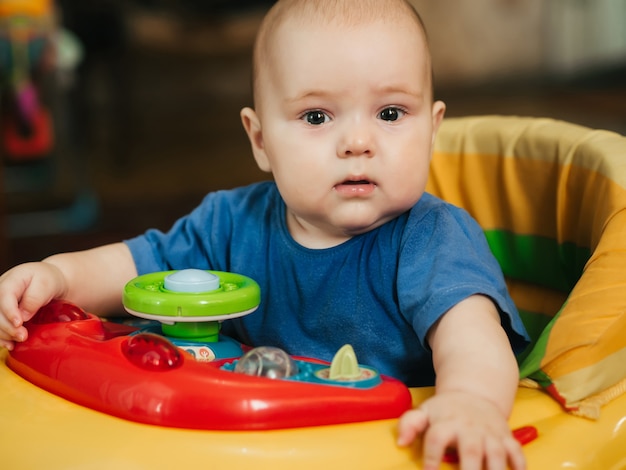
(538, 327)
(544, 262)
(538, 260)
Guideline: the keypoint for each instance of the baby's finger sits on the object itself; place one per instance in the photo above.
(8, 326)
(25, 289)
(496, 454)
(471, 451)
(6, 344)
(10, 311)
(437, 440)
(20, 334)
(32, 300)
(516, 457)
(9, 332)
(411, 424)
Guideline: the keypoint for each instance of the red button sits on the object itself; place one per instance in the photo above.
(152, 352)
(59, 311)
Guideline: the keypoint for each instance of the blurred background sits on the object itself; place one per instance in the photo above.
(119, 115)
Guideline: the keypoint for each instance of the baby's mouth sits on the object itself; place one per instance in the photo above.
(356, 187)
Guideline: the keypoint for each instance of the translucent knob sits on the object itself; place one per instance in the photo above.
(193, 281)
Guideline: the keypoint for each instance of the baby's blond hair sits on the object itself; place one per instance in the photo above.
(344, 13)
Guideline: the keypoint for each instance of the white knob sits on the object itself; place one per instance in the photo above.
(193, 281)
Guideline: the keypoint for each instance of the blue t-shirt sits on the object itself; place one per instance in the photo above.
(380, 291)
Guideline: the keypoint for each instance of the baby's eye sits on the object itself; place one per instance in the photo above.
(391, 113)
(316, 117)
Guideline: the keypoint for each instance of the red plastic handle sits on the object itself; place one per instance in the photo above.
(525, 434)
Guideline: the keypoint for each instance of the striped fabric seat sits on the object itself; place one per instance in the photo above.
(551, 198)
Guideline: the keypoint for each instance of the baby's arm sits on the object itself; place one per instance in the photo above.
(477, 378)
(93, 279)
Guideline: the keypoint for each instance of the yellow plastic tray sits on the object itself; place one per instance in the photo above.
(42, 431)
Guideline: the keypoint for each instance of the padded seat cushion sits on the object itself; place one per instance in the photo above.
(551, 198)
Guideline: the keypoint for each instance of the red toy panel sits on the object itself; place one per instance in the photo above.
(143, 377)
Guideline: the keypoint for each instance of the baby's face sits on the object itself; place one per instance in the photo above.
(347, 123)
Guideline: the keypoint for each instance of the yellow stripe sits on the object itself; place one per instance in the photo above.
(534, 138)
(534, 197)
(535, 299)
(592, 325)
(587, 381)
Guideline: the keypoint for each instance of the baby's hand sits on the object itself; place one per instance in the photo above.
(23, 291)
(467, 423)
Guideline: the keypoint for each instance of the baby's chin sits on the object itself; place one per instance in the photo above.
(325, 232)
(364, 225)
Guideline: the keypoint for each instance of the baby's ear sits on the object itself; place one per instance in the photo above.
(438, 111)
(252, 125)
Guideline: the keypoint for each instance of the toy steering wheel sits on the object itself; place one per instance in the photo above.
(190, 303)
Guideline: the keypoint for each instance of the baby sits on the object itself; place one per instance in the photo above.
(345, 244)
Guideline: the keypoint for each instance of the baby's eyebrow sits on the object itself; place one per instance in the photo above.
(309, 94)
(401, 90)
(395, 91)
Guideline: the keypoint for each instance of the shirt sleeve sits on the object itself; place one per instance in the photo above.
(445, 258)
(204, 238)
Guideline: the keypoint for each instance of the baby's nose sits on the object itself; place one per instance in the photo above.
(357, 139)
